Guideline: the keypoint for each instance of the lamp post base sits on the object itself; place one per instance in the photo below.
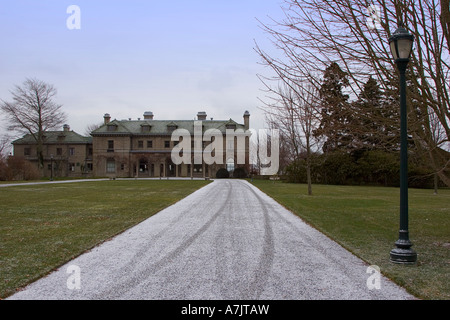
(403, 256)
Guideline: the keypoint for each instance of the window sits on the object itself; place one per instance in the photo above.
(122, 166)
(90, 166)
(59, 151)
(230, 165)
(110, 166)
(149, 144)
(71, 167)
(27, 151)
(72, 151)
(143, 165)
(112, 127)
(167, 144)
(230, 145)
(140, 144)
(110, 145)
(145, 128)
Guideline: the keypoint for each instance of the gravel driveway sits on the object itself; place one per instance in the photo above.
(227, 240)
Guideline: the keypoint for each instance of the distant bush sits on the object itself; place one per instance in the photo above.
(361, 167)
(240, 173)
(4, 171)
(16, 168)
(222, 173)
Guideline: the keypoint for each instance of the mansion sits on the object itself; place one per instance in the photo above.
(139, 148)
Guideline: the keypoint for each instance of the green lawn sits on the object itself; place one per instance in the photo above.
(44, 226)
(365, 220)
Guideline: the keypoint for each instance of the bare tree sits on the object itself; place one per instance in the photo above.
(5, 145)
(438, 138)
(315, 33)
(92, 127)
(296, 114)
(33, 111)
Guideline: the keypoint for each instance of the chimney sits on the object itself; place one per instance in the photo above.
(201, 115)
(148, 115)
(66, 128)
(107, 118)
(246, 120)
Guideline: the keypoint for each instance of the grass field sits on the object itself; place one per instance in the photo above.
(365, 220)
(44, 226)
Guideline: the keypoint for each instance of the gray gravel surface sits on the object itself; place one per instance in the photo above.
(227, 240)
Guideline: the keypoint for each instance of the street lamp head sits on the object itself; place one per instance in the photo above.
(401, 43)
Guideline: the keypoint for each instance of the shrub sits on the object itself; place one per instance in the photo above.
(378, 167)
(222, 173)
(21, 169)
(5, 172)
(240, 173)
(339, 168)
(296, 171)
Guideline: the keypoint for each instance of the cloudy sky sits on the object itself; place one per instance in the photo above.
(173, 58)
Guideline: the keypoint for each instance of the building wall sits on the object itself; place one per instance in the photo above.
(104, 152)
(134, 157)
(68, 160)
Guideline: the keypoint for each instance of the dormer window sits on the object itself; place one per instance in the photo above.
(111, 127)
(171, 127)
(231, 126)
(145, 128)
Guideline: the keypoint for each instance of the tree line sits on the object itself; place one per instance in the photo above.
(333, 91)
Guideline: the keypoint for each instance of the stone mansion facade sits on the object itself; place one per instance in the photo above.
(139, 148)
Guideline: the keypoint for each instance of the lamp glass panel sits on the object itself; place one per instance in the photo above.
(394, 50)
(404, 48)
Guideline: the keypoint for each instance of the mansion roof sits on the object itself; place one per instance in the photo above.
(145, 127)
(161, 127)
(56, 137)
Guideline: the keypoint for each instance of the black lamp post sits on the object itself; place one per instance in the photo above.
(401, 43)
(51, 167)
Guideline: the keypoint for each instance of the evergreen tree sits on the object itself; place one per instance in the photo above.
(335, 111)
(375, 119)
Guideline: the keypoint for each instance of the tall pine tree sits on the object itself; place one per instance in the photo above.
(335, 111)
(375, 119)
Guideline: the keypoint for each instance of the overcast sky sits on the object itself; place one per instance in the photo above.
(173, 58)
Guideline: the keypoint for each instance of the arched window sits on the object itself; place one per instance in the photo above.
(230, 165)
(143, 165)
